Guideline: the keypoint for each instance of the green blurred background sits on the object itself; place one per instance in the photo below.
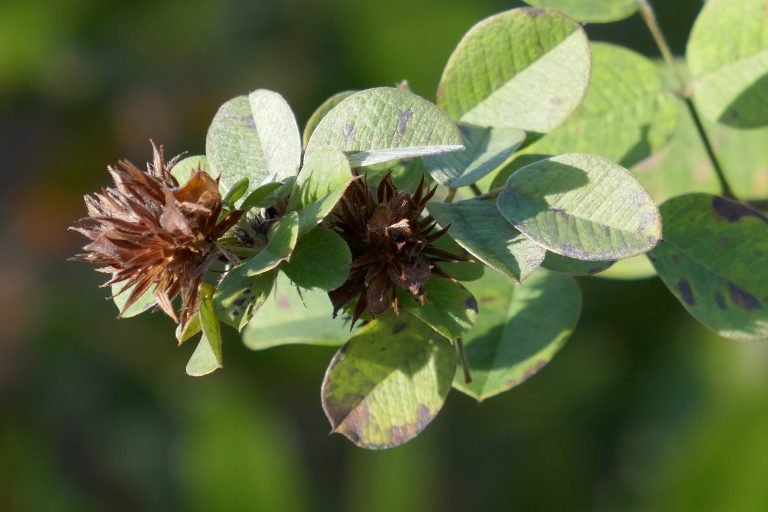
(642, 410)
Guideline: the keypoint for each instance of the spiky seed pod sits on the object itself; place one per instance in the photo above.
(147, 230)
(392, 245)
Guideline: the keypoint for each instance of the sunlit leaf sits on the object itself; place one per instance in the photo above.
(282, 239)
(321, 260)
(591, 11)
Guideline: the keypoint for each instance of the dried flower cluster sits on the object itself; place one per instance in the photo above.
(392, 245)
(148, 231)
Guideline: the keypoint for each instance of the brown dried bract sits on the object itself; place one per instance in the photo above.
(392, 246)
(147, 230)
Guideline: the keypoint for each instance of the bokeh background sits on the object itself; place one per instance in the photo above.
(642, 410)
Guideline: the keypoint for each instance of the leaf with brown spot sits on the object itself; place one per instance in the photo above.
(519, 330)
(388, 382)
(722, 285)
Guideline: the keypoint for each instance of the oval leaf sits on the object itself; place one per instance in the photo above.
(712, 248)
(728, 58)
(291, 316)
(238, 296)
(384, 124)
(388, 382)
(520, 329)
(448, 308)
(572, 267)
(320, 260)
(487, 149)
(525, 68)
(591, 11)
(183, 169)
(583, 207)
(480, 229)
(319, 114)
(207, 357)
(120, 294)
(282, 239)
(254, 137)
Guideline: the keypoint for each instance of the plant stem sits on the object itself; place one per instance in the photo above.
(649, 17)
(475, 189)
(464, 361)
(450, 195)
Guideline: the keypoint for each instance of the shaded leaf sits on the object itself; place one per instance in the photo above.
(207, 357)
(254, 137)
(479, 227)
(239, 296)
(708, 260)
(487, 149)
(120, 294)
(525, 68)
(388, 382)
(583, 207)
(263, 196)
(184, 167)
(728, 58)
(448, 308)
(384, 124)
(573, 267)
(519, 331)
(459, 270)
(291, 317)
(321, 260)
(636, 267)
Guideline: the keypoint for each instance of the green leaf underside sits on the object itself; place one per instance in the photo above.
(321, 260)
(626, 116)
(479, 227)
(282, 240)
(728, 58)
(291, 317)
(449, 308)
(184, 168)
(525, 68)
(186, 331)
(319, 186)
(583, 207)
(711, 258)
(388, 382)
(320, 113)
(254, 137)
(487, 149)
(519, 330)
(207, 357)
(591, 11)
(573, 267)
(120, 294)
(239, 296)
(636, 267)
(384, 124)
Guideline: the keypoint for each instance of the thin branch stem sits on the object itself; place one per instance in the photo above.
(649, 17)
(475, 189)
(449, 197)
(464, 361)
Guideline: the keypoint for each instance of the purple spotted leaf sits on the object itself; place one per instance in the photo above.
(388, 382)
(712, 258)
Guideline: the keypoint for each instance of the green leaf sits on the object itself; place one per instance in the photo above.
(712, 258)
(626, 116)
(573, 267)
(291, 317)
(728, 58)
(479, 227)
(319, 186)
(320, 113)
(321, 260)
(583, 207)
(238, 296)
(388, 382)
(384, 124)
(120, 294)
(207, 357)
(591, 11)
(636, 267)
(186, 331)
(520, 330)
(487, 149)
(525, 68)
(263, 196)
(459, 270)
(449, 308)
(184, 168)
(254, 137)
(282, 239)
(237, 191)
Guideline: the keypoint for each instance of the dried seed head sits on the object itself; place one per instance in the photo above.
(392, 245)
(149, 231)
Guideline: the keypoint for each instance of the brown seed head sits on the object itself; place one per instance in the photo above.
(148, 231)
(391, 244)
